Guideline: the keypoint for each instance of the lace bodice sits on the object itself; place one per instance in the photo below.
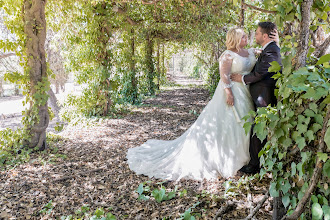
(242, 65)
(231, 62)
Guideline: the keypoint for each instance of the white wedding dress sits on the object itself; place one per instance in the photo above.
(215, 145)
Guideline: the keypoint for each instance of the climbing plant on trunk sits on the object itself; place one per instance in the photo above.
(149, 63)
(37, 117)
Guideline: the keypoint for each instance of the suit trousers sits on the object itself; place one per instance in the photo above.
(262, 97)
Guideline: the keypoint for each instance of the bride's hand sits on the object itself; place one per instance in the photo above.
(230, 98)
(274, 36)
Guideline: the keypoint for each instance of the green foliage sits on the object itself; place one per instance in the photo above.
(129, 92)
(213, 78)
(188, 214)
(47, 208)
(84, 213)
(143, 191)
(196, 71)
(34, 87)
(89, 55)
(160, 194)
(12, 151)
(296, 122)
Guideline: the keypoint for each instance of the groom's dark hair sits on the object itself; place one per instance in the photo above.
(267, 27)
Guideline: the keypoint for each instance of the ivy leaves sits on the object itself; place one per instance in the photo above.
(160, 194)
(326, 169)
(320, 207)
(327, 137)
(293, 130)
(323, 59)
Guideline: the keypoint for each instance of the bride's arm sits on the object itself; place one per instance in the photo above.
(225, 63)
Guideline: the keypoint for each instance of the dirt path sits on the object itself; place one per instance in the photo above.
(89, 167)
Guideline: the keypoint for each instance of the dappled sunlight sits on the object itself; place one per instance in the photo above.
(214, 146)
(104, 145)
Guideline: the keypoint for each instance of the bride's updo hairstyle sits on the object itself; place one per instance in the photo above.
(233, 38)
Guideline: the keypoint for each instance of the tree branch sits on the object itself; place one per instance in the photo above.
(6, 55)
(322, 48)
(256, 209)
(150, 3)
(259, 9)
(201, 59)
(121, 11)
(302, 50)
(224, 209)
(316, 174)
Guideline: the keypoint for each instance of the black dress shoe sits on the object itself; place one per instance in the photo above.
(250, 169)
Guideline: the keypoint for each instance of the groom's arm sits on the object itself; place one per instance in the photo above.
(261, 70)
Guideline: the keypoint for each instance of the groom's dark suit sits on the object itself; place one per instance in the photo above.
(262, 87)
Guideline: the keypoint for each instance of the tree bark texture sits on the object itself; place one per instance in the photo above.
(149, 63)
(104, 55)
(35, 31)
(242, 13)
(1, 86)
(158, 64)
(300, 59)
(163, 60)
(278, 208)
(132, 67)
(320, 51)
(52, 101)
(6, 55)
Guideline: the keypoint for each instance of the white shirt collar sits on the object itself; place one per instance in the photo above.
(266, 45)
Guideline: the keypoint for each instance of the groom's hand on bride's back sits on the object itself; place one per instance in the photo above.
(236, 77)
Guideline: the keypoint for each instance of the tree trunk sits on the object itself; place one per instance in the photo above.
(1, 87)
(242, 14)
(35, 31)
(57, 87)
(163, 60)
(16, 90)
(300, 59)
(278, 208)
(104, 57)
(132, 68)
(149, 64)
(158, 65)
(52, 101)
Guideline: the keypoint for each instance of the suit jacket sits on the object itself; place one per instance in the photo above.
(262, 85)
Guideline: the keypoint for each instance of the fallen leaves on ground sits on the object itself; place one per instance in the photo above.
(88, 167)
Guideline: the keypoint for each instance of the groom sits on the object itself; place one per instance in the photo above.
(262, 85)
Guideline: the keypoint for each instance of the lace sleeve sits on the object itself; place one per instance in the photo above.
(225, 63)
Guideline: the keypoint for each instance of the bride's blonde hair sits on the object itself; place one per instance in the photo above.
(233, 38)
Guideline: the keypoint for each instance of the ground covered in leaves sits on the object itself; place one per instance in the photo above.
(86, 167)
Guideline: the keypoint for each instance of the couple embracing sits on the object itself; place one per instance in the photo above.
(216, 145)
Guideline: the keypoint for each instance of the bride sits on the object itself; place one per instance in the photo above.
(216, 144)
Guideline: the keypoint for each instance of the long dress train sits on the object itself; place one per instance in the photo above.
(215, 145)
